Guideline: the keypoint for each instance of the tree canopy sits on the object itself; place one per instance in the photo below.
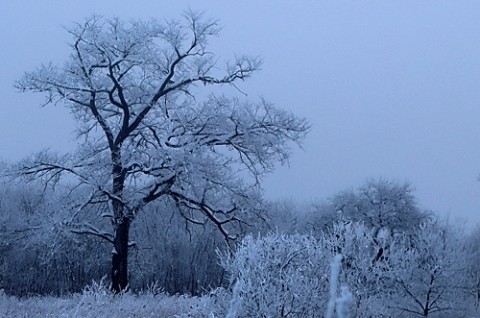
(145, 132)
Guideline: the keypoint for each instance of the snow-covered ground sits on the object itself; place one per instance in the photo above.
(99, 303)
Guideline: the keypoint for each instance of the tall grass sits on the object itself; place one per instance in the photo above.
(97, 301)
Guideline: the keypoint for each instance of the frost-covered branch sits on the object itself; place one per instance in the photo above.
(132, 88)
(88, 228)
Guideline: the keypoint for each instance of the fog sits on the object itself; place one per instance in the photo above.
(389, 87)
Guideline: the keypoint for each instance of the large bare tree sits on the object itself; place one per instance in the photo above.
(149, 127)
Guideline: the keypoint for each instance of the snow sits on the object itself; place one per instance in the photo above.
(100, 303)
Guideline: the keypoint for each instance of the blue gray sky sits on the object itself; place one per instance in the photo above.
(390, 87)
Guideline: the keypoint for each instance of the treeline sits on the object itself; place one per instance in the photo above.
(41, 252)
(396, 259)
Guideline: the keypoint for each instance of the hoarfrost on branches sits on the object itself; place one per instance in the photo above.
(132, 88)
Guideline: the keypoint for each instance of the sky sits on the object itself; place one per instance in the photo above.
(391, 88)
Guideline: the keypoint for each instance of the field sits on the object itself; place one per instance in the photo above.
(99, 303)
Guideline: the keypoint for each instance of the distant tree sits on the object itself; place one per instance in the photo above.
(181, 258)
(288, 216)
(37, 254)
(144, 134)
(381, 205)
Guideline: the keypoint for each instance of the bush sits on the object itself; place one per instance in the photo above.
(277, 276)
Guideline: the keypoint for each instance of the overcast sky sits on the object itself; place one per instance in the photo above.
(392, 88)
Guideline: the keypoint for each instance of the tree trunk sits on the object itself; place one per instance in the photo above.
(120, 257)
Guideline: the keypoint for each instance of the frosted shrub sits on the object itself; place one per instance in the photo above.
(361, 271)
(277, 276)
(97, 289)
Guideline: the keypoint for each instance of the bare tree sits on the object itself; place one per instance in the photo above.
(472, 244)
(429, 271)
(133, 91)
(381, 205)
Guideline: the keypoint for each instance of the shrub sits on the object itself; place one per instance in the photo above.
(277, 276)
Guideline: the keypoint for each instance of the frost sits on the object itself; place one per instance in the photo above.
(145, 136)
